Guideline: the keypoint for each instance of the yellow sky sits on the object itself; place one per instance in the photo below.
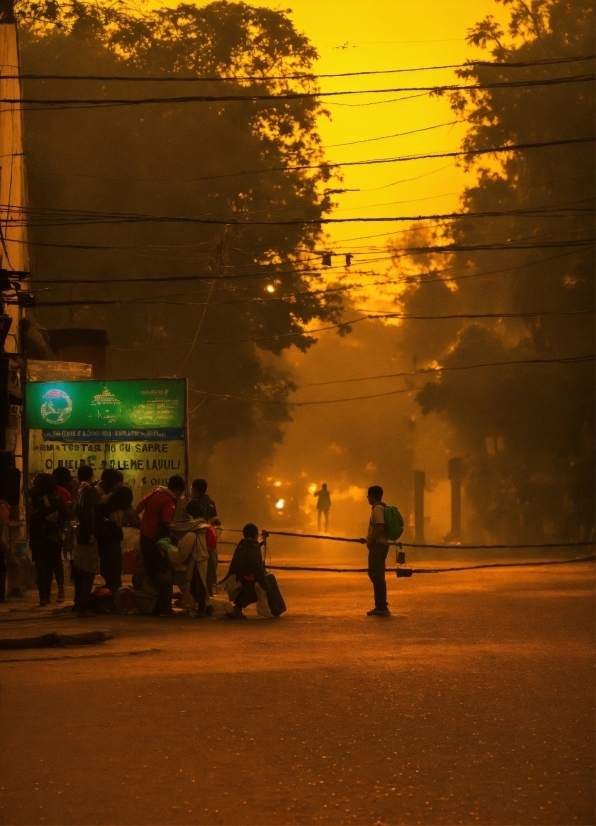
(366, 35)
(390, 34)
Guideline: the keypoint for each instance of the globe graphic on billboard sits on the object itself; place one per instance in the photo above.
(56, 407)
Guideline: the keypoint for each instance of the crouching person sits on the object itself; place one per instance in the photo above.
(246, 569)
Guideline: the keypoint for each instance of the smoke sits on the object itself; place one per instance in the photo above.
(348, 445)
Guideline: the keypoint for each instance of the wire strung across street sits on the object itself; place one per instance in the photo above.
(421, 277)
(304, 75)
(68, 217)
(512, 147)
(401, 544)
(398, 544)
(436, 570)
(103, 103)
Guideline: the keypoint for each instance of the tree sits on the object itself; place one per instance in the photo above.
(527, 431)
(251, 290)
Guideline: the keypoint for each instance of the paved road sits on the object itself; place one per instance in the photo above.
(472, 704)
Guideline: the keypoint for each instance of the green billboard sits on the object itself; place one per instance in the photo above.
(82, 407)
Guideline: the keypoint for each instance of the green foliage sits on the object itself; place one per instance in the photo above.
(526, 432)
(192, 159)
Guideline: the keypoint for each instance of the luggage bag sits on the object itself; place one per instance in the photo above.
(274, 597)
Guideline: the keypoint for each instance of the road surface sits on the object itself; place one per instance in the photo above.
(472, 704)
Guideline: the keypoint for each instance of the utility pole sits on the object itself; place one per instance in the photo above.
(15, 293)
(419, 483)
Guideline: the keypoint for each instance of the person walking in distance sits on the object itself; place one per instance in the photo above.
(158, 509)
(378, 547)
(323, 505)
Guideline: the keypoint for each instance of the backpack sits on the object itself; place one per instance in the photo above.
(107, 531)
(394, 523)
(211, 538)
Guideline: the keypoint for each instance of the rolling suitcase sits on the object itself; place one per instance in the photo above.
(274, 597)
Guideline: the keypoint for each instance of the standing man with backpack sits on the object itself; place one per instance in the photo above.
(386, 524)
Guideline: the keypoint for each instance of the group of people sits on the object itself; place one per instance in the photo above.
(83, 519)
(79, 520)
(179, 552)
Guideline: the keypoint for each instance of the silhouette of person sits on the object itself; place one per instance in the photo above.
(323, 505)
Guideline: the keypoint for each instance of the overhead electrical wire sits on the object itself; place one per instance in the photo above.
(177, 181)
(225, 396)
(437, 370)
(455, 87)
(513, 147)
(396, 135)
(394, 315)
(420, 279)
(583, 243)
(302, 76)
(53, 217)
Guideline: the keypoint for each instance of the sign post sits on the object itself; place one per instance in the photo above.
(137, 426)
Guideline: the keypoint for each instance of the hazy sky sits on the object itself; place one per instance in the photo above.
(389, 34)
(382, 34)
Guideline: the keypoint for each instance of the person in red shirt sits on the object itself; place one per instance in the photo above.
(158, 509)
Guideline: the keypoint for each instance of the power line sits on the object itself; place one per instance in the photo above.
(62, 217)
(226, 396)
(584, 243)
(401, 158)
(437, 370)
(421, 281)
(396, 135)
(178, 181)
(307, 271)
(404, 316)
(110, 102)
(301, 76)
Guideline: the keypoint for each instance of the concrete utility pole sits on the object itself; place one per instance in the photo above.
(455, 478)
(14, 260)
(419, 483)
(15, 291)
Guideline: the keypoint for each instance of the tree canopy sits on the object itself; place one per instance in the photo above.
(526, 431)
(249, 289)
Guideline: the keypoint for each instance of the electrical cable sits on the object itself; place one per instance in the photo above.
(513, 147)
(405, 279)
(437, 370)
(305, 75)
(456, 547)
(585, 245)
(405, 317)
(72, 218)
(102, 103)
(527, 564)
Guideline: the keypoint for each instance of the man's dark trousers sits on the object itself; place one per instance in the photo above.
(377, 554)
(158, 573)
(247, 596)
(83, 586)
